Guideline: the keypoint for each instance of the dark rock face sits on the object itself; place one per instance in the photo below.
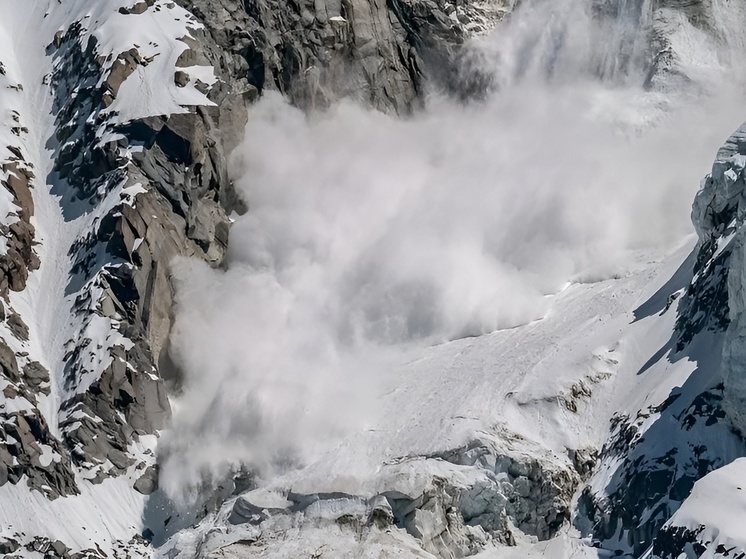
(316, 51)
(22, 454)
(147, 483)
(718, 215)
(656, 467)
(674, 541)
(9, 546)
(120, 268)
(20, 257)
(50, 549)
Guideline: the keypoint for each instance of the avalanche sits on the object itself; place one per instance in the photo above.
(475, 323)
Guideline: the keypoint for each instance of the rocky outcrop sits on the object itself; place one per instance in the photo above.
(380, 54)
(167, 198)
(19, 257)
(716, 217)
(29, 451)
(673, 542)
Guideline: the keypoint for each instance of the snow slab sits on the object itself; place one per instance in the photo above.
(718, 505)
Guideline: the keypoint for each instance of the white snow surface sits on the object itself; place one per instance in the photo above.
(505, 388)
(717, 507)
(509, 383)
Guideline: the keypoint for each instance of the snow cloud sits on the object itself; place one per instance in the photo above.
(368, 235)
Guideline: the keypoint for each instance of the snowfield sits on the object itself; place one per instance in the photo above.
(534, 391)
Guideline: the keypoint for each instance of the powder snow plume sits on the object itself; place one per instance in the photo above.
(368, 234)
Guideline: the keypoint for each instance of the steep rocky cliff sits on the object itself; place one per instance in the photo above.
(719, 220)
(382, 54)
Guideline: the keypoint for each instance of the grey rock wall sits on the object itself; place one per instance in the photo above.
(121, 267)
(380, 53)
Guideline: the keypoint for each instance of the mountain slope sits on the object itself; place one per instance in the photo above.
(604, 426)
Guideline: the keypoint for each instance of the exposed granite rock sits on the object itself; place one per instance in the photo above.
(584, 460)
(22, 438)
(380, 54)
(674, 541)
(719, 215)
(168, 199)
(37, 377)
(138, 8)
(124, 65)
(19, 257)
(17, 326)
(9, 546)
(27, 448)
(652, 461)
